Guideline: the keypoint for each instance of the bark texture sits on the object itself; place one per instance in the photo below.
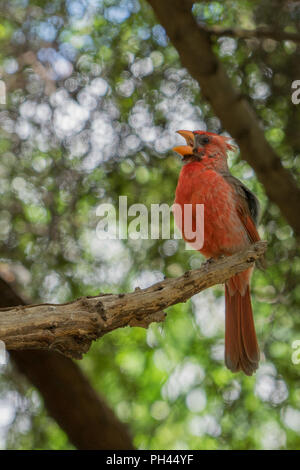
(70, 328)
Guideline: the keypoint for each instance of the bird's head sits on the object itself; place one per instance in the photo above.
(206, 147)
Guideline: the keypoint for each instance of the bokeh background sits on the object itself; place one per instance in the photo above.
(94, 94)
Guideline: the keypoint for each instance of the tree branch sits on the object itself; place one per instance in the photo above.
(194, 47)
(259, 33)
(68, 396)
(70, 328)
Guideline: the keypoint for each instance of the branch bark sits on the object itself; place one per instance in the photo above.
(68, 396)
(194, 47)
(70, 328)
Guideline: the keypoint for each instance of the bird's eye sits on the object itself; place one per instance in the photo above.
(201, 140)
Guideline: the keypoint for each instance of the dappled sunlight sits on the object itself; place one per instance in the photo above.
(95, 93)
(182, 379)
(209, 313)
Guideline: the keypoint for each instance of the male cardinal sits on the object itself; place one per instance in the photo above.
(230, 218)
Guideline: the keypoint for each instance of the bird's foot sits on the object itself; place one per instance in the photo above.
(208, 262)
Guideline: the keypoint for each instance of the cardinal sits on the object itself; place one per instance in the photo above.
(231, 214)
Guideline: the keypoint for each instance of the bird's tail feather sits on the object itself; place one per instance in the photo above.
(241, 348)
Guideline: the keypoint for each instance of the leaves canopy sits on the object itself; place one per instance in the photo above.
(95, 93)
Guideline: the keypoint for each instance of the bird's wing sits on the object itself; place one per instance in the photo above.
(247, 206)
(248, 211)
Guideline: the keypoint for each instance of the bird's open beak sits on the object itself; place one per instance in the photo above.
(188, 135)
(185, 150)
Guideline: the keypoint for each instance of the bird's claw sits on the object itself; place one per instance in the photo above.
(208, 262)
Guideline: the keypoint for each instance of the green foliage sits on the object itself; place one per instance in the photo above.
(97, 120)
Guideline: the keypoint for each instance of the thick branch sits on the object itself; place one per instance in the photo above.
(260, 33)
(70, 328)
(68, 396)
(194, 46)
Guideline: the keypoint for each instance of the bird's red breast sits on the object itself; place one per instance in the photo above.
(224, 232)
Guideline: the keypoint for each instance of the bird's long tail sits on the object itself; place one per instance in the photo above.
(241, 348)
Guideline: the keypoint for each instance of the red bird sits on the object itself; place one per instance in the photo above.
(230, 218)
